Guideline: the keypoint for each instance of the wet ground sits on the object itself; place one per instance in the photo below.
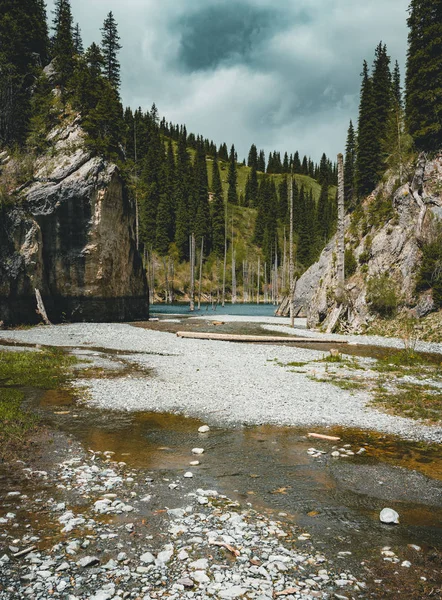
(337, 499)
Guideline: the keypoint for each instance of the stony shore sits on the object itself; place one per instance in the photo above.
(223, 383)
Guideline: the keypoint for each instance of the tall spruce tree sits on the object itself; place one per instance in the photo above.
(23, 51)
(110, 45)
(201, 210)
(424, 74)
(63, 48)
(78, 42)
(232, 194)
(366, 161)
(382, 97)
(349, 168)
(217, 210)
(182, 192)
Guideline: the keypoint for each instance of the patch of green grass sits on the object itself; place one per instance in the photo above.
(48, 369)
(344, 384)
(296, 364)
(413, 401)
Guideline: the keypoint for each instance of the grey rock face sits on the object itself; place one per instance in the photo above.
(71, 234)
(394, 248)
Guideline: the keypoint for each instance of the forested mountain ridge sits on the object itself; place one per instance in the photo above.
(181, 184)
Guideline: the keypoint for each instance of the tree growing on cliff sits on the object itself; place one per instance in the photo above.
(232, 194)
(424, 74)
(350, 165)
(63, 48)
(110, 45)
(23, 51)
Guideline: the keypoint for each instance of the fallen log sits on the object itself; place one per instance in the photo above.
(321, 436)
(272, 339)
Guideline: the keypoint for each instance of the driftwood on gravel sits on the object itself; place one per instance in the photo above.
(227, 337)
(41, 308)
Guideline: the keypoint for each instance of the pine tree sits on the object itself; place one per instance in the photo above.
(200, 213)
(323, 174)
(366, 175)
(397, 143)
(350, 165)
(63, 48)
(182, 192)
(78, 42)
(217, 210)
(23, 51)
(296, 163)
(424, 74)
(261, 162)
(110, 47)
(232, 195)
(252, 160)
(382, 96)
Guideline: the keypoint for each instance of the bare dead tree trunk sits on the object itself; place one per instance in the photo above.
(137, 220)
(341, 223)
(223, 300)
(201, 273)
(192, 272)
(172, 277)
(291, 266)
(284, 265)
(265, 284)
(166, 280)
(259, 276)
(233, 270)
(41, 308)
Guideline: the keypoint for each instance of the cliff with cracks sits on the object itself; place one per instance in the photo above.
(387, 240)
(67, 228)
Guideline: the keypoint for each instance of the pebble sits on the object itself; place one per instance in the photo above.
(188, 475)
(203, 429)
(197, 450)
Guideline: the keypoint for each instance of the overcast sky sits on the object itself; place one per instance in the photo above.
(283, 74)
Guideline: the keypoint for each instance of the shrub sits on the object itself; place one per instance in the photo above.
(430, 273)
(350, 263)
(382, 295)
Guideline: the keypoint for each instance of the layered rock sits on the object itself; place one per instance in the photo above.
(392, 247)
(71, 234)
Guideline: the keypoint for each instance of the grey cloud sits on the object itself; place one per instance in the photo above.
(283, 74)
(224, 33)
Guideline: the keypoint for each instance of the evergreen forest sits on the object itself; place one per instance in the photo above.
(189, 191)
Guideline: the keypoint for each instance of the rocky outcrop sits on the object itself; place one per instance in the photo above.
(70, 233)
(392, 245)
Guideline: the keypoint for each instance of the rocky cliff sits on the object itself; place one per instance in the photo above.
(383, 238)
(69, 231)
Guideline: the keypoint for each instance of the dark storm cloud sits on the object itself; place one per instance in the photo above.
(220, 34)
(283, 74)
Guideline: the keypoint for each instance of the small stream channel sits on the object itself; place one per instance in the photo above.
(336, 499)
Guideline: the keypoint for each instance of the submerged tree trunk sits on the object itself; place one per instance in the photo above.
(201, 273)
(291, 265)
(192, 272)
(341, 224)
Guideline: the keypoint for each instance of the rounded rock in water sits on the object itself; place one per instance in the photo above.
(390, 516)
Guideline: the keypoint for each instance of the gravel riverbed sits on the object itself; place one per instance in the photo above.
(221, 382)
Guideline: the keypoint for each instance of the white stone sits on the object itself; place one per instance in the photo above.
(204, 429)
(188, 475)
(197, 450)
(147, 558)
